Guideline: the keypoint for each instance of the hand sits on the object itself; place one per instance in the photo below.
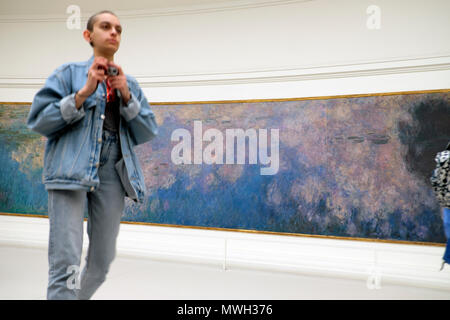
(96, 74)
(119, 82)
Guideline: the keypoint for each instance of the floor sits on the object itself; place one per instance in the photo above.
(23, 276)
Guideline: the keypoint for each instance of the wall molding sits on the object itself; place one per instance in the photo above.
(270, 75)
(373, 263)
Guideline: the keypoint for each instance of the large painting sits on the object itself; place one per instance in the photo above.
(350, 166)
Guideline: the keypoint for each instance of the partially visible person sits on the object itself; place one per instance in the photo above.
(446, 214)
(440, 181)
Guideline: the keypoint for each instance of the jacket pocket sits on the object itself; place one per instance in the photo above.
(51, 163)
(90, 102)
(123, 174)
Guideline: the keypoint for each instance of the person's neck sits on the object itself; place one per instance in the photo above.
(105, 55)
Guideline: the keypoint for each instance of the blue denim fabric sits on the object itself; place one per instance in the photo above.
(72, 152)
(66, 213)
(446, 213)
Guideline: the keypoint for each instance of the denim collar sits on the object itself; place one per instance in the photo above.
(89, 63)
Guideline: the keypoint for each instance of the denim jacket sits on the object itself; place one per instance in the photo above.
(72, 151)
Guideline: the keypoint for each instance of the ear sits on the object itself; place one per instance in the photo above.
(87, 35)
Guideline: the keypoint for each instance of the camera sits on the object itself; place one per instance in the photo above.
(112, 71)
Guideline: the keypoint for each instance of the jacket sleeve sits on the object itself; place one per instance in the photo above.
(140, 118)
(53, 107)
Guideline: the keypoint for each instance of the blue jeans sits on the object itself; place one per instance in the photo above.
(446, 214)
(66, 214)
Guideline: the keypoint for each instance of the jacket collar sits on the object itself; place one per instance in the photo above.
(89, 63)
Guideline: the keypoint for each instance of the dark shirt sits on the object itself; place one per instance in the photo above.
(112, 116)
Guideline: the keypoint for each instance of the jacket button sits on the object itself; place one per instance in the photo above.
(92, 188)
(97, 165)
(99, 140)
(102, 116)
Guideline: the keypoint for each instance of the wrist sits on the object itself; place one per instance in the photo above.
(79, 98)
(127, 98)
(82, 94)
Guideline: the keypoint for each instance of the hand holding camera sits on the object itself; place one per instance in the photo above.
(117, 80)
(100, 71)
(96, 74)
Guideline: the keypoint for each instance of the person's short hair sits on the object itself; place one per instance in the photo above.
(92, 19)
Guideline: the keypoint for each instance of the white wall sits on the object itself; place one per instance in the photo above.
(246, 49)
(252, 49)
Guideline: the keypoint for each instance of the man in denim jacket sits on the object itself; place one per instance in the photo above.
(92, 121)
